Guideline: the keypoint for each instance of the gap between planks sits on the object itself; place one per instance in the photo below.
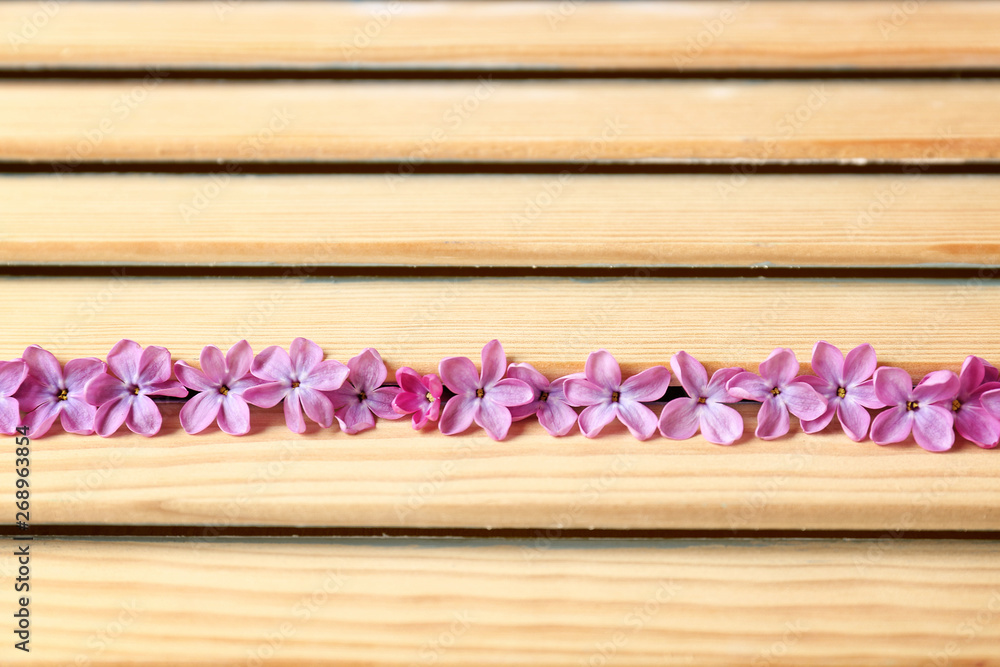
(559, 220)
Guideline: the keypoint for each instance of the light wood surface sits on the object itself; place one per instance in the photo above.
(553, 323)
(415, 122)
(673, 36)
(567, 219)
(394, 477)
(705, 602)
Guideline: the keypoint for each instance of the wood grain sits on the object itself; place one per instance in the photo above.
(394, 477)
(412, 123)
(561, 36)
(551, 322)
(567, 219)
(391, 602)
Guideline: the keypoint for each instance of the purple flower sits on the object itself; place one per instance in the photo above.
(124, 397)
(484, 398)
(973, 421)
(846, 387)
(924, 409)
(419, 395)
(778, 392)
(363, 397)
(12, 374)
(299, 380)
(49, 393)
(549, 402)
(220, 383)
(607, 397)
(682, 417)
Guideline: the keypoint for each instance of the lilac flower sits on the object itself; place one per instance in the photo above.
(419, 395)
(924, 409)
(49, 393)
(681, 417)
(299, 380)
(220, 383)
(363, 397)
(846, 387)
(484, 398)
(973, 421)
(607, 397)
(549, 403)
(778, 392)
(124, 397)
(12, 374)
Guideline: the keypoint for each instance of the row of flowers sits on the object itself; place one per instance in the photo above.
(89, 395)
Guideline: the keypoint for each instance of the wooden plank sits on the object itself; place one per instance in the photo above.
(494, 602)
(684, 36)
(394, 477)
(415, 122)
(568, 219)
(551, 322)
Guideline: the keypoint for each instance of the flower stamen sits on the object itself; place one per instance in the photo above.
(295, 385)
(956, 405)
(63, 395)
(429, 396)
(841, 392)
(362, 396)
(544, 396)
(135, 390)
(701, 400)
(224, 390)
(615, 396)
(480, 393)
(775, 392)
(912, 405)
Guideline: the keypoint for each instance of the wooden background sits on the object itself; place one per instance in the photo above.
(719, 176)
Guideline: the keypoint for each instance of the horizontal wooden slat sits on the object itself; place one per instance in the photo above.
(569, 219)
(394, 477)
(551, 322)
(736, 602)
(414, 122)
(684, 36)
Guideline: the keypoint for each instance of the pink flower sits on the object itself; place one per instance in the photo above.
(549, 402)
(299, 380)
(778, 392)
(924, 409)
(124, 397)
(48, 393)
(607, 397)
(846, 387)
(419, 395)
(12, 374)
(220, 383)
(363, 397)
(682, 417)
(973, 421)
(484, 398)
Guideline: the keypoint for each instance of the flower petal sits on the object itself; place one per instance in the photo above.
(317, 406)
(828, 362)
(458, 413)
(529, 409)
(772, 419)
(409, 381)
(32, 393)
(459, 374)
(529, 375)
(123, 360)
(556, 417)
(327, 375)
(168, 388)
(603, 371)
(893, 386)
(305, 355)
(272, 364)
(864, 394)
(79, 372)
(10, 418)
(406, 402)
(580, 392)
(12, 374)
(103, 389)
(266, 395)
(860, 364)
(933, 427)
(43, 366)
(144, 417)
(494, 417)
(192, 378)
(892, 425)
(716, 390)
(111, 415)
(293, 413)
(154, 365)
(40, 420)
(78, 416)
(509, 392)
(780, 367)
(355, 417)
(937, 386)
(380, 402)
(640, 420)
(213, 364)
(721, 424)
(990, 401)
(199, 413)
(596, 417)
(802, 400)
(239, 359)
(679, 419)
(854, 419)
(977, 426)
(367, 370)
(971, 376)
(494, 363)
(819, 423)
(649, 385)
(234, 418)
(691, 374)
(749, 386)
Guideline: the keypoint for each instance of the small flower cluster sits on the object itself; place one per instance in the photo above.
(92, 396)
